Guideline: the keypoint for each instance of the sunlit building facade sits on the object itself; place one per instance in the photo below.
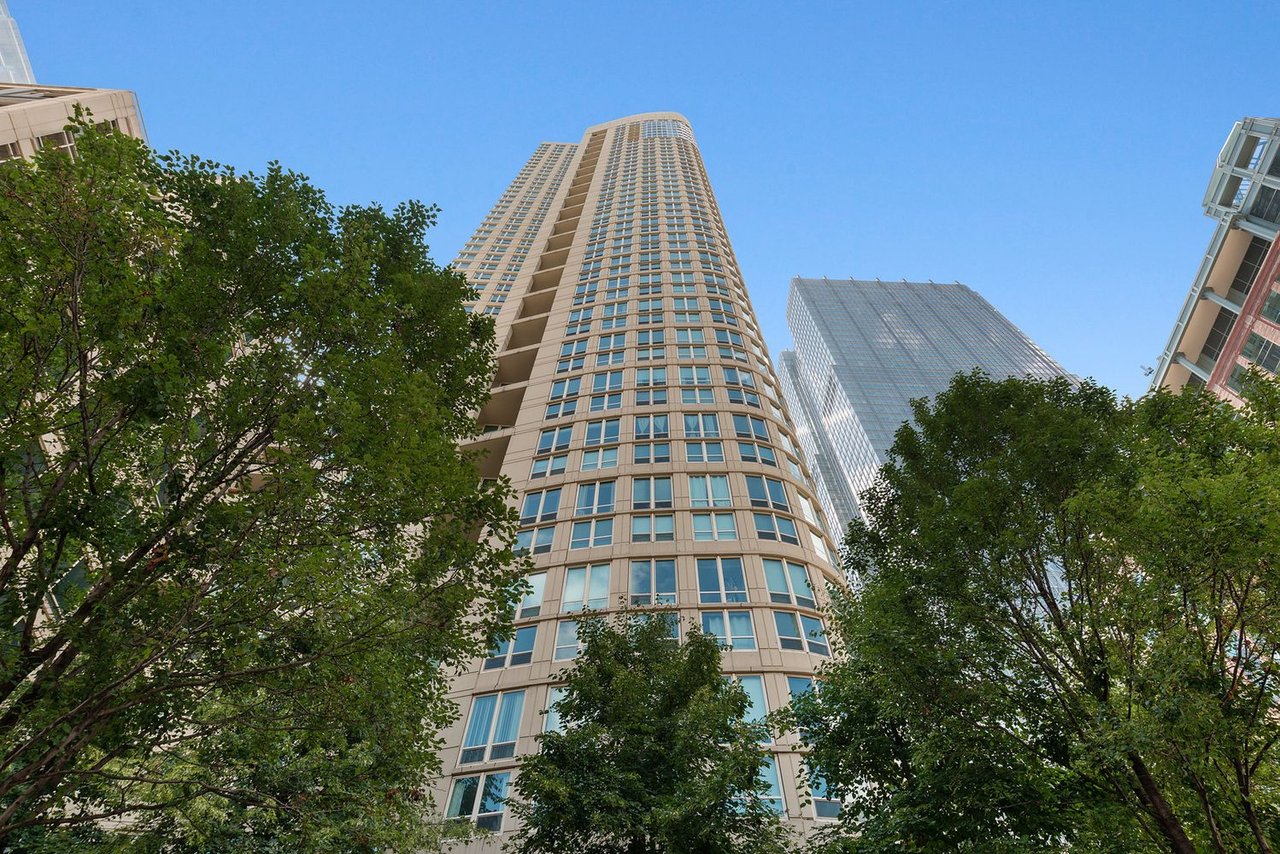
(35, 117)
(641, 424)
(865, 349)
(1230, 320)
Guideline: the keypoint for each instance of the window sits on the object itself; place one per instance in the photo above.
(645, 354)
(598, 532)
(562, 389)
(825, 807)
(534, 540)
(603, 432)
(751, 452)
(721, 580)
(573, 363)
(651, 376)
(614, 316)
(750, 427)
(704, 452)
(1262, 352)
(492, 736)
(608, 381)
(646, 337)
(480, 799)
(531, 604)
(555, 439)
(652, 529)
(695, 375)
(552, 722)
(796, 631)
(766, 492)
(1271, 309)
(573, 348)
(697, 397)
(735, 376)
(709, 490)
(612, 341)
(690, 336)
(605, 458)
(605, 402)
(579, 321)
(650, 493)
(549, 465)
(653, 452)
(540, 506)
(518, 649)
(652, 427)
(788, 583)
(651, 397)
(806, 509)
(586, 587)
(701, 425)
(771, 527)
(594, 498)
(567, 644)
(731, 628)
(754, 686)
(797, 685)
(691, 352)
(773, 789)
(653, 582)
(714, 526)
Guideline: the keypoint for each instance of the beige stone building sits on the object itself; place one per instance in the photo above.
(639, 419)
(35, 116)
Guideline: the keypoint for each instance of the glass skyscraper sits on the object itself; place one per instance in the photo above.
(14, 66)
(865, 349)
(638, 417)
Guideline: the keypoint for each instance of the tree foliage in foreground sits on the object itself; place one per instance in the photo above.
(653, 757)
(1068, 628)
(237, 539)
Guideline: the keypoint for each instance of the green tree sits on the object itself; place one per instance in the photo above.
(653, 755)
(1066, 630)
(240, 546)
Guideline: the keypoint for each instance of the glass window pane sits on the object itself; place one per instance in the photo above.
(741, 633)
(481, 722)
(754, 686)
(776, 578)
(462, 801)
(509, 717)
(735, 583)
(800, 585)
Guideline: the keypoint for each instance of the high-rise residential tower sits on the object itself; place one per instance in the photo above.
(865, 349)
(1231, 318)
(14, 65)
(638, 417)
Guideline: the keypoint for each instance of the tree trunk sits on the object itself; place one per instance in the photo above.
(1242, 780)
(1159, 808)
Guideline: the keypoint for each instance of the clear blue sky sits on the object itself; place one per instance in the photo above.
(1052, 155)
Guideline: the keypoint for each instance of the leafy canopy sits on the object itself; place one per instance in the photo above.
(653, 756)
(239, 546)
(1067, 628)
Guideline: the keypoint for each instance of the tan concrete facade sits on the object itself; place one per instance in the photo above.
(640, 421)
(33, 117)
